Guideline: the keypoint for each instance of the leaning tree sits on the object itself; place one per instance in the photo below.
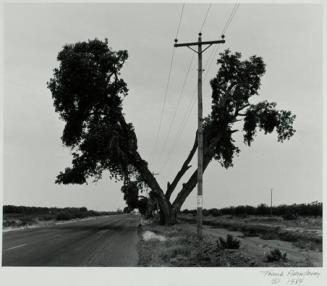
(88, 92)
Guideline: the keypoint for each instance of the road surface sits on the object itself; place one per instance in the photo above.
(102, 241)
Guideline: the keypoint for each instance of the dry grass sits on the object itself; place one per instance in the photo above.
(182, 249)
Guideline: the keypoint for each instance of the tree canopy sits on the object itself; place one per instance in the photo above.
(88, 92)
(235, 84)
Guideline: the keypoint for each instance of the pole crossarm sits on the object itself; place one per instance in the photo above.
(199, 43)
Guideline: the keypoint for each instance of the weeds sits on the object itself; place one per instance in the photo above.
(276, 255)
(229, 243)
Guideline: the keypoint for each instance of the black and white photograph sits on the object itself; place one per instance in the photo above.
(175, 135)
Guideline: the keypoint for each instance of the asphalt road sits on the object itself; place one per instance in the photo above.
(103, 241)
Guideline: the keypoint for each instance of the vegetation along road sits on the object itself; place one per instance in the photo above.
(102, 241)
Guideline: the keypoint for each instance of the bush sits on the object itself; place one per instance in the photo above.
(250, 232)
(64, 216)
(214, 212)
(269, 235)
(229, 243)
(205, 212)
(311, 209)
(289, 216)
(46, 217)
(276, 255)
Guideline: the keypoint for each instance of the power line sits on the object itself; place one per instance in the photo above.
(205, 18)
(167, 85)
(188, 114)
(223, 32)
(230, 18)
(175, 112)
(214, 52)
(180, 21)
(209, 61)
(178, 103)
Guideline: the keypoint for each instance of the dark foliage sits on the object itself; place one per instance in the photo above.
(290, 216)
(131, 194)
(87, 93)
(229, 243)
(236, 82)
(287, 211)
(276, 255)
(44, 213)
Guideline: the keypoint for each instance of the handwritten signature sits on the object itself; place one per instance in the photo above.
(289, 277)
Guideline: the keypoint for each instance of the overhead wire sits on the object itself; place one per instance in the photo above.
(184, 83)
(167, 85)
(230, 18)
(178, 104)
(205, 17)
(190, 103)
(180, 20)
(208, 64)
(215, 50)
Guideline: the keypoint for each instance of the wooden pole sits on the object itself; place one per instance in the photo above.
(200, 142)
(200, 51)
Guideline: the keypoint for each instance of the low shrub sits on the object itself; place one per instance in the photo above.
(214, 212)
(46, 217)
(276, 255)
(205, 212)
(26, 221)
(63, 216)
(289, 216)
(268, 235)
(250, 232)
(229, 243)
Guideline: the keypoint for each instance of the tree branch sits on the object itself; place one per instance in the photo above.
(191, 183)
(148, 177)
(241, 108)
(171, 187)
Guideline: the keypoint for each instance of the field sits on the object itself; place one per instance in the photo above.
(263, 241)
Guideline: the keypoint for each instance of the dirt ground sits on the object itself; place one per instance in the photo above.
(255, 248)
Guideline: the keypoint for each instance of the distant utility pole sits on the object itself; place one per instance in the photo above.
(271, 202)
(200, 51)
(157, 203)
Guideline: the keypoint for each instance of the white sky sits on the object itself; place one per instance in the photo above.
(288, 37)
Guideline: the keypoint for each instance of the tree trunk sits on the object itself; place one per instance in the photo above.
(148, 177)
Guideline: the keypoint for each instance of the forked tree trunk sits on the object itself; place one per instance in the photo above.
(169, 211)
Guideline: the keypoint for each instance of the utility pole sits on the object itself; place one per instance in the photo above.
(200, 51)
(271, 201)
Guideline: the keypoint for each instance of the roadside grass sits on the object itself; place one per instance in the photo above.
(182, 249)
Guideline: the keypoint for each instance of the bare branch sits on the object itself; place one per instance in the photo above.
(241, 108)
(191, 183)
(171, 187)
